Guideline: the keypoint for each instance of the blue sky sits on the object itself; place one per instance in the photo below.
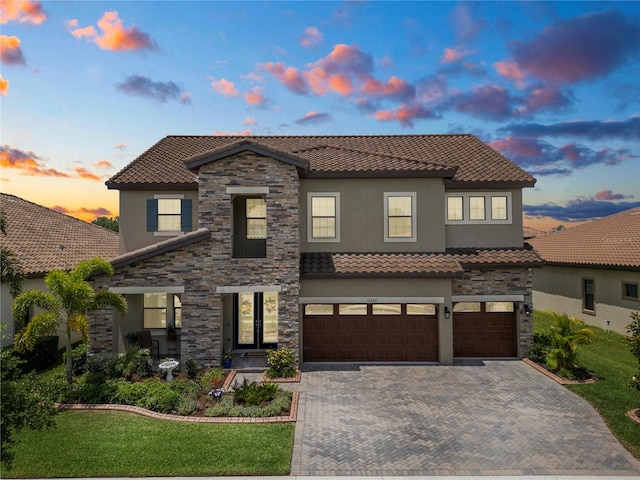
(85, 87)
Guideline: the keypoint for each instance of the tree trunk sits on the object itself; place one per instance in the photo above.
(69, 363)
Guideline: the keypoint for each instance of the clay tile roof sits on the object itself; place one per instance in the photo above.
(35, 234)
(378, 264)
(612, 241)
(462, 159)
(448, 264)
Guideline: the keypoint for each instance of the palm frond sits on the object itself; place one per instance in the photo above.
(37, 298)
(110, 299)
(40, 325)
(92, 265)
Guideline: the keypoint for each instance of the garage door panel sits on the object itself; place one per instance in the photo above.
(484, 334)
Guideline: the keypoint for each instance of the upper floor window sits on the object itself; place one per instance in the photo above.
(400, 217)
(323, 211)
(630, 291)
(169, 214)
(249, 227)
(478, 208)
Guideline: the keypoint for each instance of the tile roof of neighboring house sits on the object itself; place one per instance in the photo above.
(36, 233)
(451, 263)
(463, 159)
(612, 241)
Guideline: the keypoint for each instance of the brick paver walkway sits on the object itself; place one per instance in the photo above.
(499, 418)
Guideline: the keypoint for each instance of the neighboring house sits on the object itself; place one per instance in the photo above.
(44, 240)
(592, 271)
(342, 248)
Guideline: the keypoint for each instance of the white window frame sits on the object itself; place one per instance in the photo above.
(168, 196)
(414, 217)
(488, 220)
(310, 237)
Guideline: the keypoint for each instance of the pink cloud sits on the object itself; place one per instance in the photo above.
(249, 121)
(404, 114)
(313, 117)
(4, 86)
(521, 147)
(544, 98)
(113, 36)
(10, 51)
(451, 55)
(22, 11)
(510, 70)
(394, 87)
(61, 209)
(311, 37)
(85, 174)
(98, 211)
(103, 164)
(27, 163)
(588, 46)
(609, 195)
(244, 133)
(255, 96)
(225, 87)
(120, 146)
(492, 101)
(290, 77)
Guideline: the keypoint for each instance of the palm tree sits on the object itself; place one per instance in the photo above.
(65, 306)
(567, 333)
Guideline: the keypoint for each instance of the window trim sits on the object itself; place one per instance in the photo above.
(310, 237)
(414, 208)
(488, 216)
(624, 291)
(583, 281)
(186, 212)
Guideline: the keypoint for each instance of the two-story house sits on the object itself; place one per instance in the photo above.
(342, 248)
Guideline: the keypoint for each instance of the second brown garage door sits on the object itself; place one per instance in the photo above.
(484, 329)
(366, 332)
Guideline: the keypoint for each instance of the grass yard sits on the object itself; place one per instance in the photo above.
(117, 444)
(611, 361)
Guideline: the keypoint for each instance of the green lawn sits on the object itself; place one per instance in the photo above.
(611, 361)
(117, 444)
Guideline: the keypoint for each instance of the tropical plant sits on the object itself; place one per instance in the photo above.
(65, 307)
(11, 270)
(567, 334)
(634, 343)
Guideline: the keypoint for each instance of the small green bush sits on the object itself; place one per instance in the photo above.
(227, 407)
(211, 379)
(43, 355)
(152, 394)
(192, 368)
(254, 393)
(79, 359)
(540, 348)
(281, 363)
(92, 388)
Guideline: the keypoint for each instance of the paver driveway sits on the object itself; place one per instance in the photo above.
(501, 417)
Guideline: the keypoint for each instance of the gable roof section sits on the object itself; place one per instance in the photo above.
(462, 159)
(35, 235)
(612, 242)
(449, 264)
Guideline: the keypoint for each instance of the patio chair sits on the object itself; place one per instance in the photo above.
(145, 341)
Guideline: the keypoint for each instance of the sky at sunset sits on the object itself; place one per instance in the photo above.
(86, 86)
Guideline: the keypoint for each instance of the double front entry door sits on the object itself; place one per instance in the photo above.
(256, 320)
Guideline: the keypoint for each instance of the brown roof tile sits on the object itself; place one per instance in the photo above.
(612, 241)
(447, 264)
(35, 234)
(472, 161)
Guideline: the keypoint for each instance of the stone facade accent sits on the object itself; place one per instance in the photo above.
(206, 265)
(508, 281)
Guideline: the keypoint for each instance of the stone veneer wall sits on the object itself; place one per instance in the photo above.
(509, 281)
(206, 265)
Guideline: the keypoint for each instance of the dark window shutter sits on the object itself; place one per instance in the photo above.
(185, 220)
(152, 215)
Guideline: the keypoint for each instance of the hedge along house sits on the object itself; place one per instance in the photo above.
(342, 248)
(592, 271)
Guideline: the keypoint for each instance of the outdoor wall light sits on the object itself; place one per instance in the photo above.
(527, 309)
(447, 313)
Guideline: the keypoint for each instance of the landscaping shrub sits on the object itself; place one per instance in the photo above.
(634, 345)
(192, 367)
(281, 363)
(227, 407)
(567, 334)
(43, 355)
(93, 387)
(212, 379)
(79, 359)
(254, 393)
(144, 364)
(540, 348)
(152, 393)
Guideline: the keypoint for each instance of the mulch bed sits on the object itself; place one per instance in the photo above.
(561, 381)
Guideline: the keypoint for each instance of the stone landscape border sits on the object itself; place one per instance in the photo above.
(291, 418)
(561, 381)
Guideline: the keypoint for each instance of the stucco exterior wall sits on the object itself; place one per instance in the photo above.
(362, 214)
(560, 288)
(133, 215)
(489, 235)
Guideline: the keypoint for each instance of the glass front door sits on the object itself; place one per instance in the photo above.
(256, 325)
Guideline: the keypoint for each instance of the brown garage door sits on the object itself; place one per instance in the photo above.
(370, 332)
(484, 329)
